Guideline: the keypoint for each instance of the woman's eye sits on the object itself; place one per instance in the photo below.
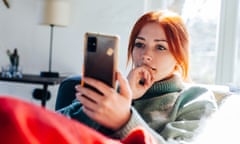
(139, 45)
(160, 47)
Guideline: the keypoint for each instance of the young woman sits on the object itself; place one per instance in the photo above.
(155, 95)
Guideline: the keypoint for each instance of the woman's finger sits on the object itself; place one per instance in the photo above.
(89, 93)
(125, 89)
(88, 103)
(103, 88)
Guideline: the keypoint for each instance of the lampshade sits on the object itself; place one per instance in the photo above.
(56, 12)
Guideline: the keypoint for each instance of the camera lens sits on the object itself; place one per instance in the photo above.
(92, 44)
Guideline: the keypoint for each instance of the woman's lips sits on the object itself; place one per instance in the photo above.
(148, 66)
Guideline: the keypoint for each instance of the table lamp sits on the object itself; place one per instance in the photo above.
(56, 13)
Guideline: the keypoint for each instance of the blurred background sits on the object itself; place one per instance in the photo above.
(213, 26)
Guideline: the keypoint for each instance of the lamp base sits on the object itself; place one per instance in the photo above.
(49, 74)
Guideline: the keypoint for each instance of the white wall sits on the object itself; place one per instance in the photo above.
(20, 28)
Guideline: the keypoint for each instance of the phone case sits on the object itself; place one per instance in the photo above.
(100, 57)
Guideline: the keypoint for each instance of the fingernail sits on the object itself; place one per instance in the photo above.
(78, 94)
(77, 86)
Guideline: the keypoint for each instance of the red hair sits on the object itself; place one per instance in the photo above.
(176, 34)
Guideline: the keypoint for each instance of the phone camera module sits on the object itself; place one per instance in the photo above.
(92, 44)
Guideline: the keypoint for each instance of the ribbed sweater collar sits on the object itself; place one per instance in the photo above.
(172, 84)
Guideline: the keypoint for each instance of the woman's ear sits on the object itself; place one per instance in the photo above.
(178, 68)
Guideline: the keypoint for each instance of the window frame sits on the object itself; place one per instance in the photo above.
(227, 42)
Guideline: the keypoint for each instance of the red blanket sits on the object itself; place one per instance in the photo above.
(25, 123)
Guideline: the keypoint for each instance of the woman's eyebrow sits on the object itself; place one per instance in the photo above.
(141, 38)
(160, 40)
(156, 40)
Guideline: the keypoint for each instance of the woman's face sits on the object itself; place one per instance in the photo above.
(151, 50)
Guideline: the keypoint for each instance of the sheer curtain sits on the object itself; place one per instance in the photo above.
(202, 18)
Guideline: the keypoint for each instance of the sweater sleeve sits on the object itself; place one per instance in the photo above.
(191, 109)
(136, 121)
(74, 111)
(192, 106)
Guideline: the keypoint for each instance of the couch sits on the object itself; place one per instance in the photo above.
(66, 91)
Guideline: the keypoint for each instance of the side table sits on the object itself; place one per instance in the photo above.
(36, 79)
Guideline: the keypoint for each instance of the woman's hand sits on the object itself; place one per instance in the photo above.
(140, 80)
(111, 109)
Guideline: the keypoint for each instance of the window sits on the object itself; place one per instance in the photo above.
(201, 17)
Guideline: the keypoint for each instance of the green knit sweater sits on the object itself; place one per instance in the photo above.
(169, 110)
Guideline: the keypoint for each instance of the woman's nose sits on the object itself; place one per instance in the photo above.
(147, 57)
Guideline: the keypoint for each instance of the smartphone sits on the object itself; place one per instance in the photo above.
(100, 58)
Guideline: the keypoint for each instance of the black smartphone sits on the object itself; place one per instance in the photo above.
(100, 58)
